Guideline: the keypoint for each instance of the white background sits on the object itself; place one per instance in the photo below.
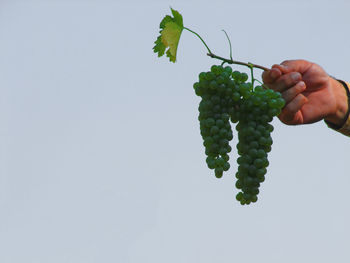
(101, 159)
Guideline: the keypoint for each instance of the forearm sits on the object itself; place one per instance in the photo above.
(339, 119)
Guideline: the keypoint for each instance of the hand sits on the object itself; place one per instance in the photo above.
(310, 93)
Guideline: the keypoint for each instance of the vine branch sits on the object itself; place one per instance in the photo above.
(225, 60)
(230, 61)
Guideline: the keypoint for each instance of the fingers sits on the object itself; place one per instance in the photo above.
(281, 68)
(270, 76)
(292, 92)
(287, 66)
(291, 113)
(286, 81)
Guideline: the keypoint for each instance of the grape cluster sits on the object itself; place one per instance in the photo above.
(216, 88)
(227, 96)
(254, 135)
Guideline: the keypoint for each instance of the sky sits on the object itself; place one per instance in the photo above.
(101, 159)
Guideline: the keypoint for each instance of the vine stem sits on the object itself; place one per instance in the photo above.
(199, 38)
(230, 61)
(251, 72)
(229, 41)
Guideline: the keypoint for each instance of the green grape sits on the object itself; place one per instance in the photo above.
(223, 132)
(262, 141)
(214, 68)
(202, 76)
(210, 122)
(210, 162)
(229, 136)
(246, 197)
(244, 77)
(225, 117)
(214, 130)
(213, 85)
(228, 69)
(239, 184)
(220, 69)
(261, 178)
(254, 198)
(261, 172)
(258, 89)
(224, 142)
(236, 96)
(226, 75)
(222, 88)
(216, 138)
(223, 151)
(258, 163)
(207, 143)
(265, 162)
(219, 172)
(261, 153)
(253, 152)
(273, 103)
(220, 161)
(226, 166)
(244, 88)
(254, 145)
(220, 79)
(270, 93)
(269, 127)
(280, 103)
(215, 99)
(220, 123)
(236, 75)
(239, 196)
(273, 112)
(210, 76)
(225, 157)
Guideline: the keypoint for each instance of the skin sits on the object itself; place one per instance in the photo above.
(310, 93)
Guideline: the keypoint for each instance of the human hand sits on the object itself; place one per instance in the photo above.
(310, 93)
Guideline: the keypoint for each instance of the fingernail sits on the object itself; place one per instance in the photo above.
(296, 76)
(301, 84)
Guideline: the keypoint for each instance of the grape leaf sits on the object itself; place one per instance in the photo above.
(170, 32)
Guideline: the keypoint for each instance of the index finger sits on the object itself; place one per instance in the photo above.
(269, 76)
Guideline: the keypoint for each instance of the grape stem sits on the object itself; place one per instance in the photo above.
(231, 61)
(229, 41)
(199, 38)
(251, 73)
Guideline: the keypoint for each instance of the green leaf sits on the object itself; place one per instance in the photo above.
(170, 32)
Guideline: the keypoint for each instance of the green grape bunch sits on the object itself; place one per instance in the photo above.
(216, 89)
(227, 97)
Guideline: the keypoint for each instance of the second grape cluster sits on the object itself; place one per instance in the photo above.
(227, 96)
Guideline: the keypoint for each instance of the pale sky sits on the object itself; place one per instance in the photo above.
(101, 159)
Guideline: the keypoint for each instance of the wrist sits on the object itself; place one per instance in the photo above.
(341, 112)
